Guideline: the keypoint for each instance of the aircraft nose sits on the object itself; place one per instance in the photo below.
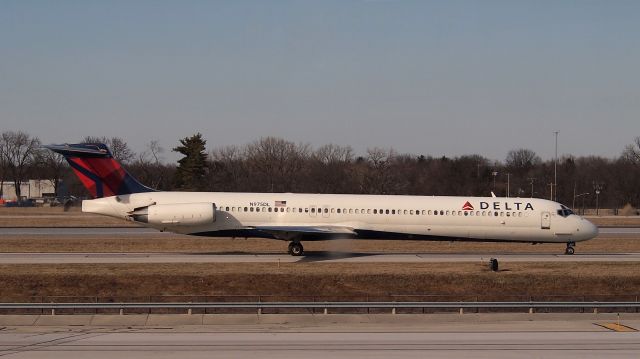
(588, 230)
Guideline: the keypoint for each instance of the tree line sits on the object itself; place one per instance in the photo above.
(271, 164)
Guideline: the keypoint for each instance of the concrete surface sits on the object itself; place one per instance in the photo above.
(319, 336)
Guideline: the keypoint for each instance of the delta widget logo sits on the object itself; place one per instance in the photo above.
(467, 207)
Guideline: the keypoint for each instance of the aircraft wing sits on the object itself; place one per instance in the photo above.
(287, 231)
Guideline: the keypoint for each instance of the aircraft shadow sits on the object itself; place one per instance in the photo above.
(319, 256)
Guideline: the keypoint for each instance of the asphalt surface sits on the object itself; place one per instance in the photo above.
(290, 337)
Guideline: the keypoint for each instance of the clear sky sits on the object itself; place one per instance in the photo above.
(425, 77)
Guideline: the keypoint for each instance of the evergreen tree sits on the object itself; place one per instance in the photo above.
(192, 168)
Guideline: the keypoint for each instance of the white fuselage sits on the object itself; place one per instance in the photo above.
(367, 216)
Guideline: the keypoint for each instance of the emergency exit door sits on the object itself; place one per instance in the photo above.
(546, 220)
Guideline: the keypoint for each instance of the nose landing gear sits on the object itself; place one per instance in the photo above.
(570, 249)
(296, 249)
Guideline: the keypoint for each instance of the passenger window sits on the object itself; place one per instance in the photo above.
(246, 209)
(386, 211)
(375, 211)
(405, 211)
(306, 210)
(466, 213)
(429, 212)
(350, 210)
(411, 211)
(326, 210)
(357, 211)
(447, 213)
(338, 210)
(393, 211)
(435, 213)
(313, 210)
(441, 212)
(257, 209)
(460, 213)
(251, 209)
(368, 211)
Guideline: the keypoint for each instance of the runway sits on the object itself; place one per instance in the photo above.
(325, 257)
(431, 336)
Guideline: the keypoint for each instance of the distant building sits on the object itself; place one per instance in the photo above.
(34, 188)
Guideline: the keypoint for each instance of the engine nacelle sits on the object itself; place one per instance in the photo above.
(180, 214)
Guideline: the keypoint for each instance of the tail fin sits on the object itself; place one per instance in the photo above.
(98, 171)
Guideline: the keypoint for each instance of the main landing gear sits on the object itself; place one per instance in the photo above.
(570, 249)
(296, 249)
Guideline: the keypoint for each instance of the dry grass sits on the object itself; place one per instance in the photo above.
(163, 242)
(335, 280)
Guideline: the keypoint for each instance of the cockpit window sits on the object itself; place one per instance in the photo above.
(565, 211)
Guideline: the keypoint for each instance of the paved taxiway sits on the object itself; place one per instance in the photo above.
(112, 258)
(316, 336)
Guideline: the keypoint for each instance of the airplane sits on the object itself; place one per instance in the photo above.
(296, 217)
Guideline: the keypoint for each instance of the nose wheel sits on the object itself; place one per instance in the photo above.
(570, 249)
(296, 249)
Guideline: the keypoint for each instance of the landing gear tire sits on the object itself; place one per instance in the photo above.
(296, 249)
(570, 250)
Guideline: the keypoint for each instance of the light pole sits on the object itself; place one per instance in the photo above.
(494, 174)
(531, 179)
(583, 195)
(597, 188)
(508, 183)
(555, 171)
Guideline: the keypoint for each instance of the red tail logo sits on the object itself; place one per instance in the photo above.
(467, 207)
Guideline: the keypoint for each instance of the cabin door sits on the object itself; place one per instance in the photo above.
(546, 220)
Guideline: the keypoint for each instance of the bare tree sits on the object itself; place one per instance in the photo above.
(522, 159)
(228, 169)
(18, 150)
(50, 165)
(148, 165)
(330, 170)
(632, 152)
(277, 161)
(118, 147)
(379, 177)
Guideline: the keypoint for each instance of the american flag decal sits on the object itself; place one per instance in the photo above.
(281, 203)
